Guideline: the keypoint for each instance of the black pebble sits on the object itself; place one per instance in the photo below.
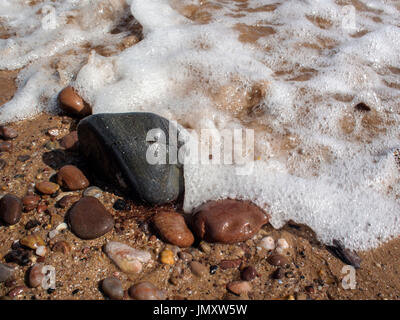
(120, 205)
(213, 269)
(18, 256)
(32, 224)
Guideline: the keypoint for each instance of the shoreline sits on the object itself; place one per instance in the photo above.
(317, 274)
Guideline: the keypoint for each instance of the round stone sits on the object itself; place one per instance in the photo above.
(146, 291)
(172, 228)
(7, 133)
(228, 221)
(249, 273)
(112, 288)
(198, 269)
(47, 187)
(72, 103)
(10, 209)
(89, 219)
(277, 260)
(30, 202)
(71, 178)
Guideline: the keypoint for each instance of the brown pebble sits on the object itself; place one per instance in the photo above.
(17, 291)
(7, 133)
(198, 269)
(172, 228)
(277, 260)
(10, 209)
(249, 273)
(89, 219)
(239, 287)
(47, 187)
(72, 178)
(30, 202)
(278, 274)
(32, 241)
(36, 275)
(228, 221)
(309, 289)
(42, 207)
(62, 246)
(112, 288)
(67, 201)
(5, 146)
(230, 264)
(185, 256)
(70, 141)
(72, 103)
(146, 291)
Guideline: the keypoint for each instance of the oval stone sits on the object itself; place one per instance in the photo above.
(72, 103)
(47, 187)
(112, 288)
(89, 219)
(228, 221)
(146, 291)
(119, 147)
(277, 260)
(173, 229)
(71, 178)
(128, 259)
(10, 209)
(7, 133)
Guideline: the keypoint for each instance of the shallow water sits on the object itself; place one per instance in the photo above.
(293, 71)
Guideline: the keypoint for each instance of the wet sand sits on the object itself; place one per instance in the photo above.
(314, 273)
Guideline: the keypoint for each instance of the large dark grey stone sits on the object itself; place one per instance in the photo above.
(116, 145)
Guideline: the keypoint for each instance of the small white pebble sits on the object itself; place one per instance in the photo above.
(281, 245)
(53, 132)
(41, 251)
(267, 243)
(62, 226)
(53, 233)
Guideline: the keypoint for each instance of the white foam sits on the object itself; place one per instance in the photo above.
(321, 163)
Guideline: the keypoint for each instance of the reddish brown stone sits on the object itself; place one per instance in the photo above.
(72, 178)
(172, 228)
(277, 260)
(7, 133)
(89, 219)
(10, 209)
(228, 221)
(30, 202)
(230, 264)
(72, 103)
